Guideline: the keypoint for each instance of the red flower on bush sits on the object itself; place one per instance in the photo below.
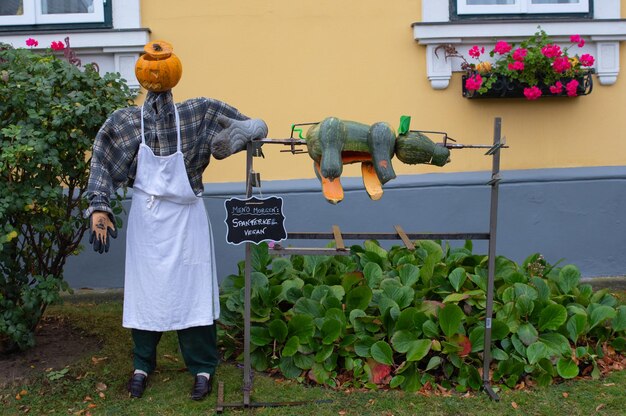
(551, 51)
(572, 88)
(532, 93)
(520, 54)
(502, 47)
(586, 60)
(578, 40)
(561, 64)
(474, 82)
(516, 66)
(31, 42)
(556, 88)
(475, 52)
(57, 46)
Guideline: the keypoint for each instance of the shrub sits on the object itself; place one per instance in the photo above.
(401, 318)
(51, 112)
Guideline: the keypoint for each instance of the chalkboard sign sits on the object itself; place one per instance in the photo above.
(254, 220)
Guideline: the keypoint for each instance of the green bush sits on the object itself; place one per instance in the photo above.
(403, 318)
(51, 112)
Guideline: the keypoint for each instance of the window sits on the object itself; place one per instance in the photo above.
(469, 7)
(44, 12)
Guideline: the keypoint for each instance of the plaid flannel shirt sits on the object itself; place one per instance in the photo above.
(114, 156)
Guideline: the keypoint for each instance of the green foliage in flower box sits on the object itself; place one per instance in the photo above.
(400, 318)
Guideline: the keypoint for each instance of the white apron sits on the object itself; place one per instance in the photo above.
(171, 278)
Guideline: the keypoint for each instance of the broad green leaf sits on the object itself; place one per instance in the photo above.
(499, 355)
(569, 276)
(566, 368)
(288, 368)
(536, 351)
(455, 297)
(258, 280)
(362, 347)
(527, 334)
(278, 330)
(260, 257)
(575, 326)
(450, 318)
(430, 329)
(323, 353)
(411, 319)
(336, 314)
(354, 315)
(524, 305)
(524, 289)
(301, 326)
(358, 298)
(619, 321)
(499, 330)
(291, 346)
(260, 336)
(381, 352)
(477, 338)
(552, 317)
(556, 343)
(315, 266)
(330, 331)
(396, 381)
(418, 350)
(303, 361)
(402, 340)
(338, 291)
(600, 314)
(409, 274)
(543, 290)
(373, 275)
(457, 277)
(373, 247)
(289, 284)
(619, 344)
(259, 360)
(310, 307)
(434, 362)
(479, 280)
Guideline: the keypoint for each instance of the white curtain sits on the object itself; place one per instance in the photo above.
(66, 6)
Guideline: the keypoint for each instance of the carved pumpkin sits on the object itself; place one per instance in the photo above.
(158, 69)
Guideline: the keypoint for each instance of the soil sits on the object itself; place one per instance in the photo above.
(58, 345)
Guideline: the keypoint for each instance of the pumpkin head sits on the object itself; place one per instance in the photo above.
(158, 69)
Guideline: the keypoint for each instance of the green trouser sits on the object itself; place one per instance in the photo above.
(198, 346)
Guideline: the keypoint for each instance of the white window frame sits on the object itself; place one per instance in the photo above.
(32, 15)
(522, 7)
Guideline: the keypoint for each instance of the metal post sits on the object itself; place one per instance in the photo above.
(493, 222)
(247, 373)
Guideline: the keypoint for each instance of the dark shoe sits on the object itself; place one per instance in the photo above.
(202, 387)
(137, 384)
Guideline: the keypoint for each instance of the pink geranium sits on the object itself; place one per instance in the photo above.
(31, 42)
(57, 46)
(561, 64)
(520, 54)
(578, 40)
(586, 60)
(474, 82)
(551, 51)
(556, 88)
(572, 88)
(532, 93)
(516, 66)
(502, 47)
(475, 51)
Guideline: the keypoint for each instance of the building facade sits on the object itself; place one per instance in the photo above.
(563, 189)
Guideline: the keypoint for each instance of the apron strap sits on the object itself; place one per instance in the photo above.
(143, 137)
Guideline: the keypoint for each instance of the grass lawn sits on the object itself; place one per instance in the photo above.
(96, 386)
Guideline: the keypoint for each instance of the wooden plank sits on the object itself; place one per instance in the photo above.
(405, 239)
(219, 408)
(339, 245)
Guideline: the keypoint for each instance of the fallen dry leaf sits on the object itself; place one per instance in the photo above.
(87, 399)
(23, 392)
(170, 357)
(565, 394)
(514, 405)
(342, 412)
(18, 397)
(91, 405)
(97, 360)
(608, 384)
(599, 407)
(101, 386)
(101, 395)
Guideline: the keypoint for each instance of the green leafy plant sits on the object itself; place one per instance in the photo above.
(51, 111)
(401, 319)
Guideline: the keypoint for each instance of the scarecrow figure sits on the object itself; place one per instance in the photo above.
(161, 150)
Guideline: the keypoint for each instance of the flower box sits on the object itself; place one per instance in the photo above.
(511, 88)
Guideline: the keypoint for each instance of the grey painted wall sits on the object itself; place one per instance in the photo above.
(575, 214)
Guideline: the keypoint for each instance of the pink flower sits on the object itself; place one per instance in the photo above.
(532, 93)
(572, 88)
(502, 47)
(475, 52)
(551, 51)
(586, 60)
(57, 46)
(556, 88)
(520, 54)
(516, 66)
(578, 40)
(473, 83)
(561, 64)
(31, 42)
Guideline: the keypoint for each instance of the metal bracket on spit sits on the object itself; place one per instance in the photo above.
(492, 147)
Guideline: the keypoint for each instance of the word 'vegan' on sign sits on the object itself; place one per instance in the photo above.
(254, 220)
